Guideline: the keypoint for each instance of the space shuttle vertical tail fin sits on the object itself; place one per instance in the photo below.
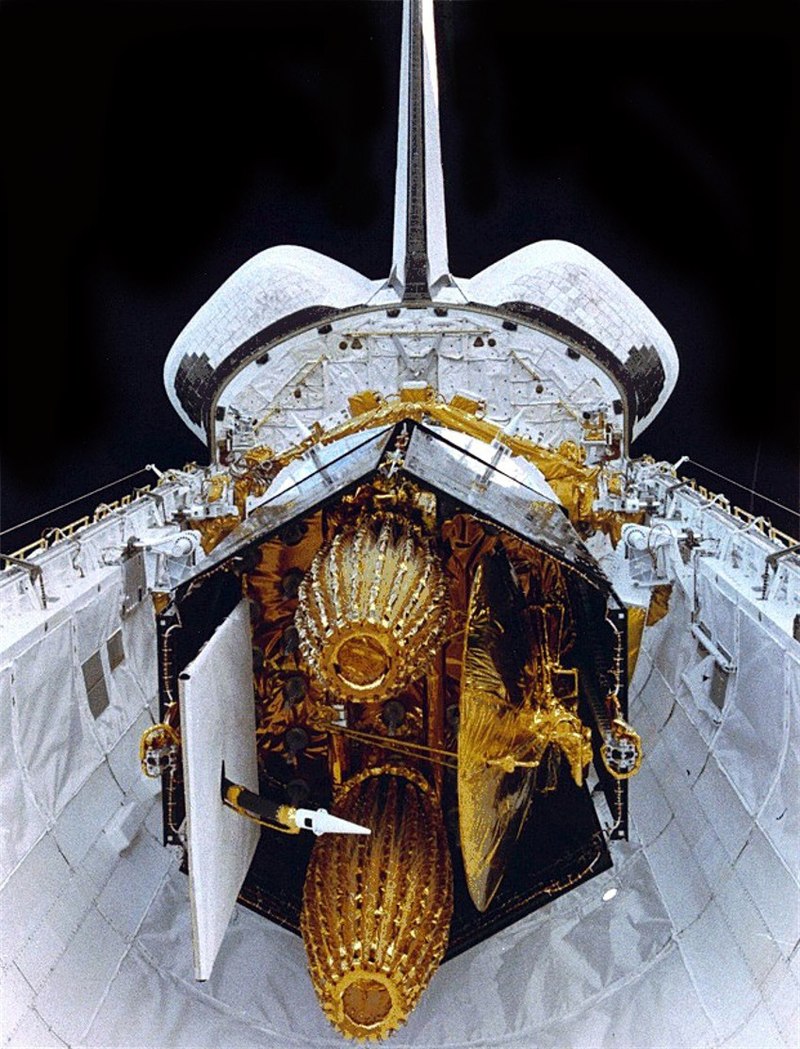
(419, 263)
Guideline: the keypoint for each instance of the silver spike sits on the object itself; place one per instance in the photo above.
(320, 821)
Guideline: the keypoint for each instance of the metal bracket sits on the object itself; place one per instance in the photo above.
(134, 579)
(771, 561)
(34, 571)
(722, 659)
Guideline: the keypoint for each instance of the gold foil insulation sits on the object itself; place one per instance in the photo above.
(283, 701)
(507, 730)
(637, 615)
(371, 610)
(352, 605)
(376, 910)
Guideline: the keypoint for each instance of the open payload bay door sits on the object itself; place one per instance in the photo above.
(218, 727)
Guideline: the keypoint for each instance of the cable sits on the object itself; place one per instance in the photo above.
(755, 475)
(78, 499)
(744, 487)
(448, 758)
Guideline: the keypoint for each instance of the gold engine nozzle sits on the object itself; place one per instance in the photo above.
(371, 609)
(376, 910)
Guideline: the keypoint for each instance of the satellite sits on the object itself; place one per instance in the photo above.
(423, 667)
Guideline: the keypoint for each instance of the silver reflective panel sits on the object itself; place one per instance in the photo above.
(304, 484)
(494, 486)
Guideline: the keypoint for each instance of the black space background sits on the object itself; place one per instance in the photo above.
(151, 148)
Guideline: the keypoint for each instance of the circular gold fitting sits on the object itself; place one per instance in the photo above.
(368, 1003)
(364, 659)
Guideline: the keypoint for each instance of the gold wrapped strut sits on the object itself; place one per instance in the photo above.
(376, 910)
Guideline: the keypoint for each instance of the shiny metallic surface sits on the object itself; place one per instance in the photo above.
(371, 610)
(376, 910)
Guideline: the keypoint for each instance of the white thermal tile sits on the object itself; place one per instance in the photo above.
(681, 884)
(711, 855)
(649, 806)
(133, 884)
(547, 272)
(759, 1032)
(719, 971)
(773, 889)
(99, 862)
(33, 1033)
(40, 877)
(87, 813)
(38, 957)
(271, 285)
(723, 807)
(688, 749)
(751, 739)
(747, 926)
(75, 988)
(21, 823)
(123, 759)
(16, 996)
(781, 991)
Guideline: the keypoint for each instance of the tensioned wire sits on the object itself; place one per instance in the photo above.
(448, 758)
(144, 469)
(744, 487)
(77, 499)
